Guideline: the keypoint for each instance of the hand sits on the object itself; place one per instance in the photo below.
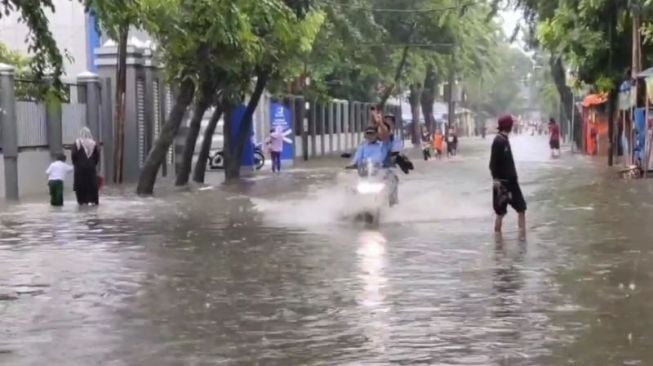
(377, 119)
(496, 184)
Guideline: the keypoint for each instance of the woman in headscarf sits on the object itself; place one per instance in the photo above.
(86, 157)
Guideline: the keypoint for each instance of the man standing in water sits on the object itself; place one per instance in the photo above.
(504, 174)
(554, 138)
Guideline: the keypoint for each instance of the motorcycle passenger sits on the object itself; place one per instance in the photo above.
(372, 149)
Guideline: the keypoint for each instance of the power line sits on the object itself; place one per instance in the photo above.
(422, 10)
(408, 44)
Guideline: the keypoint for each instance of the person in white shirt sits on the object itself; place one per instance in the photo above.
(56, 173)
(275, 145)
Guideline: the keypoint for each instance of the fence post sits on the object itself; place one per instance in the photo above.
(352, 125)
(135, 133)
(332, 124)
(303, 110)
(9, 130)
(323, 118)
(53, 122)
(91, 86)
(313, 128)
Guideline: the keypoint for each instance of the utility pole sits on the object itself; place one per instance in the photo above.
(611, 97)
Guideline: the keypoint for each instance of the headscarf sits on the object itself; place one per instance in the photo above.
(86, 141)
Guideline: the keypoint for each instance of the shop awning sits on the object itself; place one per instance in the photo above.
(649, 87)
(646, 73)
(594, 99)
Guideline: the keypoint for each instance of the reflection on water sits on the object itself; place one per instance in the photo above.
(374, 312)
(267, 274)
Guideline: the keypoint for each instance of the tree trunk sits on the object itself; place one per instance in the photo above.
(233, 155)
(414, 98)
(207, 141)
(400, 67)
(428, 98)
(201, 106)
(156, 157)
(121, 90)
(566, 98)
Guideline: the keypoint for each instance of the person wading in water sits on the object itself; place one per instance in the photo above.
(86, 157)
(506, 190)
(554, 138)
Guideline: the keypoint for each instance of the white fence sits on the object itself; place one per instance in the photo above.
(32, 124)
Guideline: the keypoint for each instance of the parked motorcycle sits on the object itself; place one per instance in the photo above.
(216, 161)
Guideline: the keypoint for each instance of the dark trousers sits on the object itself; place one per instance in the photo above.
(276, 161)
(56, 192)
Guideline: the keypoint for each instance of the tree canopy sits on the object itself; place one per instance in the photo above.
(355, 49)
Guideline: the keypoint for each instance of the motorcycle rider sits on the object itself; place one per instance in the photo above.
(372, 149)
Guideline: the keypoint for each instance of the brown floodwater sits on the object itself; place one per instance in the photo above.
(267, 273)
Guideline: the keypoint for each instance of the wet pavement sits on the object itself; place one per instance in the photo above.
(267, 274)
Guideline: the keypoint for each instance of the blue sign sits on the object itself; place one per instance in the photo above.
(281, 118)
(247, 160)
(640, 134)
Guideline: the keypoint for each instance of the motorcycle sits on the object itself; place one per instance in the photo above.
(375, 189)
(216, 161)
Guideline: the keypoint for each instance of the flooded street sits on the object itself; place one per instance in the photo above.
(267, 274)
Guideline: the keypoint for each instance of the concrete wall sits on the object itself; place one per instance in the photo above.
(32, 180)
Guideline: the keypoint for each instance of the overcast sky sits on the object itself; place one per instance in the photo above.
(510, 20)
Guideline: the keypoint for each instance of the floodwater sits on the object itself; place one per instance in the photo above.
(266, 274)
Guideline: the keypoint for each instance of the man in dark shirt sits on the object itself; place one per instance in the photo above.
(504, 174)
(554, 138)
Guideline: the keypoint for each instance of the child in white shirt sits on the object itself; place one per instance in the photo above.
(56, 174)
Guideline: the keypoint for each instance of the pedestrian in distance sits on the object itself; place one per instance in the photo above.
(554, 138)
(426, 143)
(275, 145)
(438, 143)
(86, 157)
(452, 143)
(56, 173)
(506, 190)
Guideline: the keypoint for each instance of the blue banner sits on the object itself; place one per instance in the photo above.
(281, 118)
(247, 160)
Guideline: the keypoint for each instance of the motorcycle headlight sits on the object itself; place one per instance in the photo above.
(369, 188)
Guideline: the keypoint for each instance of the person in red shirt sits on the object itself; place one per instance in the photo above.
(554, 138)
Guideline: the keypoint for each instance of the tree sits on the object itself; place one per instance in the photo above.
(594, 37)
(286, 41)
(216, 41)
(207, 89)
(115, 17)
(506, 81)
(194, 36)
